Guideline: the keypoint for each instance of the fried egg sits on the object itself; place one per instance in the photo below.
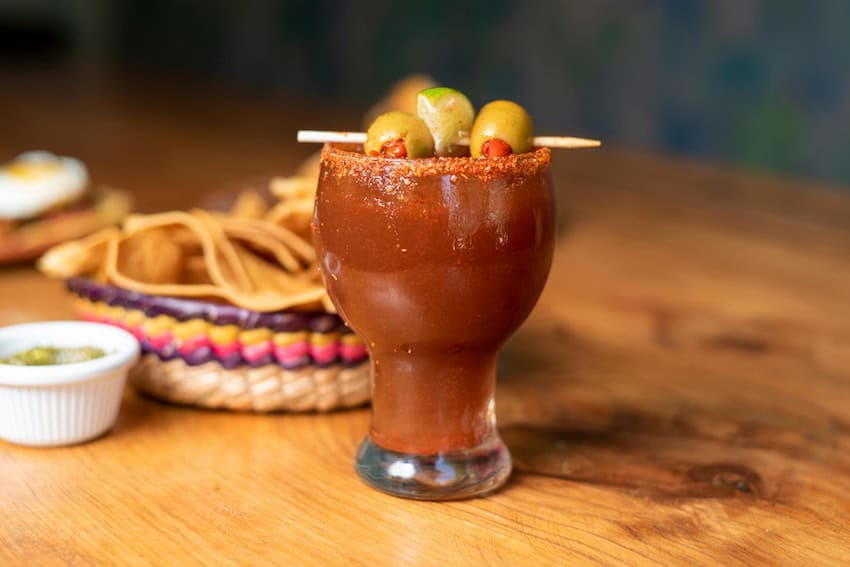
(36, 182)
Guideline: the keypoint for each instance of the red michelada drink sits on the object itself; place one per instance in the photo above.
(435, 252)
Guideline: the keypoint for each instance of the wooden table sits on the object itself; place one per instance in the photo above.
(681, 395)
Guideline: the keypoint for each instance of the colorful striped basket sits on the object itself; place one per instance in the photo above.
(224, 357)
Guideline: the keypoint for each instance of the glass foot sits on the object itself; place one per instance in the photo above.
(446, 476)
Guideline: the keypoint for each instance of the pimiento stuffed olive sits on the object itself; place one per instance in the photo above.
(501, 128)
(399, 135)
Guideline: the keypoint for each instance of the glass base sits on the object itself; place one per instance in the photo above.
(446, 476)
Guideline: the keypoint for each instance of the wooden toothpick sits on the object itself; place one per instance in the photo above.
(325, 136)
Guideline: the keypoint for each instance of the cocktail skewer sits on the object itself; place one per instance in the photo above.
(563, 142)
(326, 136)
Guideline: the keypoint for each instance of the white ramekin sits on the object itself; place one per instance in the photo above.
(63, 404)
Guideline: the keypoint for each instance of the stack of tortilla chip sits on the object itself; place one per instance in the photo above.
(245, 257)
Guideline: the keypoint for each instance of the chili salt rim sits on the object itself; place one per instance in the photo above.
(343, 160)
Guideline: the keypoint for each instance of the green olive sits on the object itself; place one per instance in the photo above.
(449, 115)
(399, 134)
(505, 121)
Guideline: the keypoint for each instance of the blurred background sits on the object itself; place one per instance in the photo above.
(759, 84)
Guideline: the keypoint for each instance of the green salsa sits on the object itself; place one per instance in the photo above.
(45, 356)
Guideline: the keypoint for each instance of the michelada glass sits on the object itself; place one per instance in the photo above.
(434, 262)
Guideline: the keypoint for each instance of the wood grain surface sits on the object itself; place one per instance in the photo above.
(680, 396)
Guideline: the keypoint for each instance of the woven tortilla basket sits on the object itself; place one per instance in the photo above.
(217, 356)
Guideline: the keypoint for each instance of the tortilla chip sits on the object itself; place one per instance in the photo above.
(151, 257)
(77, 257)
(250, 205)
